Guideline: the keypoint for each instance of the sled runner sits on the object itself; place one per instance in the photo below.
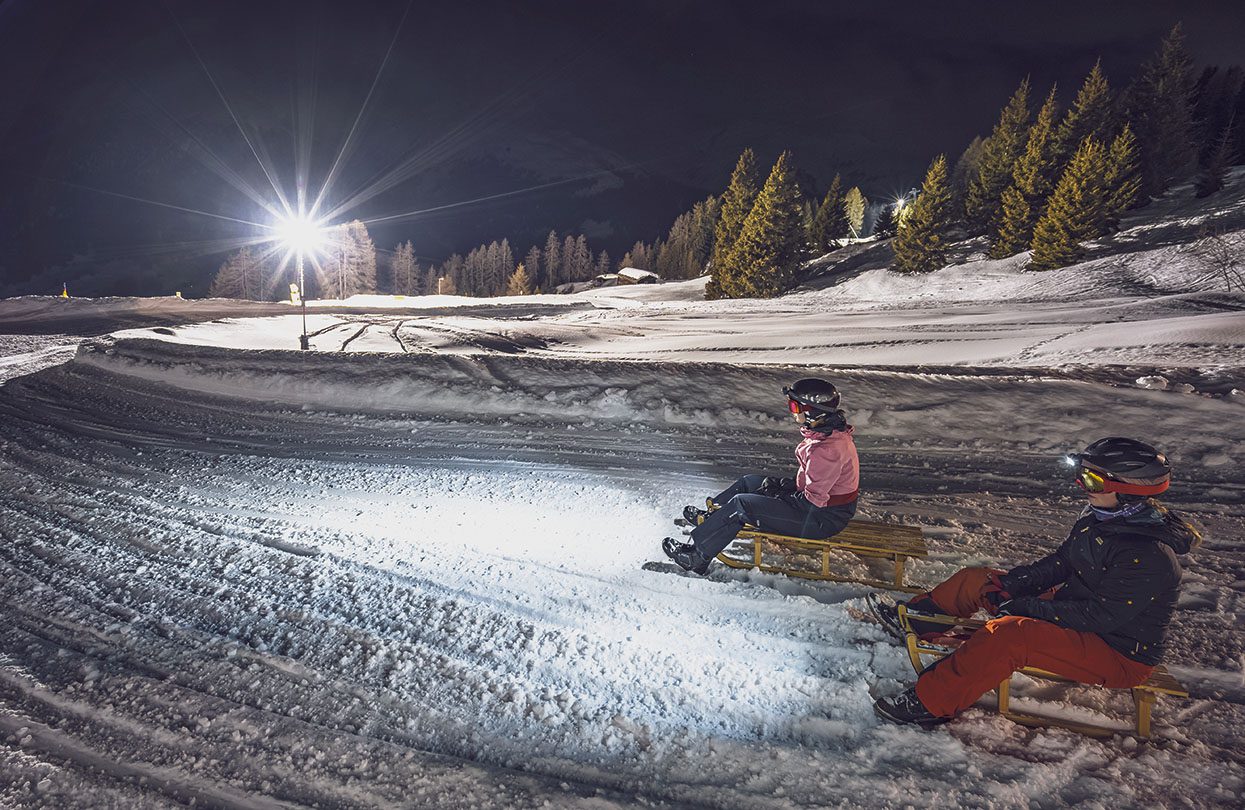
(936, 644)
(863, 538)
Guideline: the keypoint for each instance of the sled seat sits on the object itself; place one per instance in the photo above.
(864, 538)
(959, 630)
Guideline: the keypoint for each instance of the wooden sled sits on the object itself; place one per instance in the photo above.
(861, 537)
(959, 630)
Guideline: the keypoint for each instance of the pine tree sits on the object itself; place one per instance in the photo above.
(1090, 114)
(403, 269)
(966, 168)
(737, 202)
(764, 260)
(983, 207)
(920, 245)
(830, 223)
(854, 205)
(519, 283)
(1214, 169)
(603, 264)
(1160, 110)
(1032, 182)
(1076, 210)
(1214, 113)
(1122, 179)
(884, 225)
(808, 217)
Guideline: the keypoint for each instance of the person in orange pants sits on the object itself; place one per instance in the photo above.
(1095, 611)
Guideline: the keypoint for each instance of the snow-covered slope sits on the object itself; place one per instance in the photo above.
(419, 566)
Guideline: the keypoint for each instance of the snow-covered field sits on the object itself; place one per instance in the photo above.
(419, 566)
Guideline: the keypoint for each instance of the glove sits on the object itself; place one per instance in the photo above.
(994, 593)
(1014, 607)
(774, 486)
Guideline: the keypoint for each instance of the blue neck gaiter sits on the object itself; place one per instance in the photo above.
(1123, 512)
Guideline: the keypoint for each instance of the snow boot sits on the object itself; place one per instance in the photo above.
(885, 611)
(694, 516)
(685, 555)
(907, 709)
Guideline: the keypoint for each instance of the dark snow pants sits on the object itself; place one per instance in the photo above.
(791, 515)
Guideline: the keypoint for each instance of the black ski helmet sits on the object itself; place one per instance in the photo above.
(1139, 467)
(817, 395)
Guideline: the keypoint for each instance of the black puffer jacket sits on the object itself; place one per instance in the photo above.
(1119, 578)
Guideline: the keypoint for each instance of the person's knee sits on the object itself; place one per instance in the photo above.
(750, 482)
(1010, 637)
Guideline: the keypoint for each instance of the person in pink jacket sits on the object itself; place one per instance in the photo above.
(817, 503)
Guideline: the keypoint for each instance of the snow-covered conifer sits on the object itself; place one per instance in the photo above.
(921, 244)
(1033, 179)
(1075, 212)
(983, 207)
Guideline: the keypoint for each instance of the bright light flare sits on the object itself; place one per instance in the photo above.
(301, 234)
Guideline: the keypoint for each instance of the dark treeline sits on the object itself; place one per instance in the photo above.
(1044, 180)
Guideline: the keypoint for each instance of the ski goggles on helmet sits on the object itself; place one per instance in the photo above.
(795, 406)
(1096, 481)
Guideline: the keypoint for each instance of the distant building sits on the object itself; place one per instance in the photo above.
(632, 275)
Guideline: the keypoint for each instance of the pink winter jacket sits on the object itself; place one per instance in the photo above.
(829, 469)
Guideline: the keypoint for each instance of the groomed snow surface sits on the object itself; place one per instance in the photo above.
(419, 566)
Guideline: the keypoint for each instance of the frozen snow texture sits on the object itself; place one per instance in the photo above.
(419, 566)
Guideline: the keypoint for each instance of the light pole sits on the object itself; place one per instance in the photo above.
(304, 340)
(302, 236)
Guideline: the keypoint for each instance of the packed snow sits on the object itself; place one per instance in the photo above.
(419, 565)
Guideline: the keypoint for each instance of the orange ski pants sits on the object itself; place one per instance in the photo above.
(1009, 643)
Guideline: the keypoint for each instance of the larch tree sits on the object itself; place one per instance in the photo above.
(854, 205)
(404, 270)
(533, 264)
(1033, 179)
(350, 268)
(519, 283)
(552, 262)
(239, 277)
(983, 206)
(921, 243)
(1075, 212)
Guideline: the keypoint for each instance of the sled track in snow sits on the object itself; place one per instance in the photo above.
(328, 588)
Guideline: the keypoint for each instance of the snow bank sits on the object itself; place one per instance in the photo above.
(1034, 416)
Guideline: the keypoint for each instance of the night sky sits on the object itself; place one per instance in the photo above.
(615, 117)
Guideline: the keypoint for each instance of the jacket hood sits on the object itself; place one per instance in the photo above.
(1156, 522)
